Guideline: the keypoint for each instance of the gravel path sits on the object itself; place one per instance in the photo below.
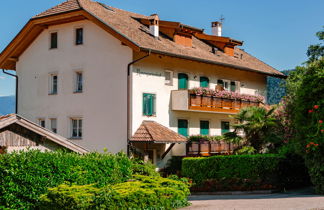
(278, 201)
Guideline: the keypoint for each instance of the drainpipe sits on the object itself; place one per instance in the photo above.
(3, 70)
(129, 117)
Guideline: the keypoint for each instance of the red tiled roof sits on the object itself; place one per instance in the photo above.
(127, 25)
(151, 131)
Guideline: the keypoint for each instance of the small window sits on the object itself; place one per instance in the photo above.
(79, 36)
(53, 84)
(149, 104)
(54, 125)
(76, 128)
(53, 40)
(204, 127)
(41, 122)
(169, 78)
(225, 127)
(183, 127)
(182, 81)
(233, 86)
(78, 82)
(204, 82)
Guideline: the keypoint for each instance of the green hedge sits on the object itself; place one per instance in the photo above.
(142, 192)
(27, 175)
(263, 167)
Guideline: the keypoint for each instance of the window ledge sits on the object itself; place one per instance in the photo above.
(75, 138)
(52, 94)
(77, 92)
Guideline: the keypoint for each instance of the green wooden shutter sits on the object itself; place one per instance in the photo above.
(148, 104)
(204, 82)
(204, 127)
(182, 81)
(183, 127)
(225, 127)
(233, 86)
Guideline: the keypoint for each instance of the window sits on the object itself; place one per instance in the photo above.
(149, 104)
(53, 84)
(233, 86)
(182, 81)
(204, 127)
(183, 127)
(54, 125)
(41, 122)
(78, 82)
(228, 85)
(53, 44)
(204, 82)
(79, 36)
(76, 125)
(225, 127)
(168, 78)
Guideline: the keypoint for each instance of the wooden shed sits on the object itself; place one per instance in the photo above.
(18, 133)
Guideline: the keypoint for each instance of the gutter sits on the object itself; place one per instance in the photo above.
(129, 117)
(210, 62)
(3, 70)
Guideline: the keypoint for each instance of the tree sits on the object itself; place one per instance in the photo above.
(316, 52)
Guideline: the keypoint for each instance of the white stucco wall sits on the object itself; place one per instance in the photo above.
(149, 77)
(102, 105)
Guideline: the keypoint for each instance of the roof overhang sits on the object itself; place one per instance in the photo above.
(10, 55)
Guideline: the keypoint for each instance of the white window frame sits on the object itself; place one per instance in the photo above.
(40, 120)
(51, 124)
(51, 83)
(78, 119)
(75, 35)
(50, 40)
(76, 82)
(168, 82)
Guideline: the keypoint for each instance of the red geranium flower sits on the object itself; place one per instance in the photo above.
(316, 107)
(320, 121)
(310, 111)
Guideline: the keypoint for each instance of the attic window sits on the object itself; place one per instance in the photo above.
(106, 6)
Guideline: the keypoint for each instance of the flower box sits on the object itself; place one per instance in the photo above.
(207, 101)
(195, 100)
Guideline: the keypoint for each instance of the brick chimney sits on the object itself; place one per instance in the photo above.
(217, 28)
(154, 25)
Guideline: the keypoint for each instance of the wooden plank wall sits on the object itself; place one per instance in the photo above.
(16, 135)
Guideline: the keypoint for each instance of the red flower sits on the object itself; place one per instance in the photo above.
(322, 130)
(320, 121)
(316, 106)
(310, 111)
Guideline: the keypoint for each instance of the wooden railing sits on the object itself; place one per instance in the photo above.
(209, 148)
(209, 103)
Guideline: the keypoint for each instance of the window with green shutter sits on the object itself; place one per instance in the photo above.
(225, 127)
(233, 86)
(149, 104)
(182, 81)
(183, 127)
(204, 127)
(204, 82)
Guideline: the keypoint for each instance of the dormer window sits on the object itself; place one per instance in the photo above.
(79, 36)
(53, 43)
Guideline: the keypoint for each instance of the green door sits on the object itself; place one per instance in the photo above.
(182, 81)
(183, 127)
(148, 104)
(204, 82)
(204, 128)
(225, 127)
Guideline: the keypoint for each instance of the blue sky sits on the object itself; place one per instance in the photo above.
(277, 31)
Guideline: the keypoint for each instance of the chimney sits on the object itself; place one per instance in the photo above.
(217, 28)
(154, 25)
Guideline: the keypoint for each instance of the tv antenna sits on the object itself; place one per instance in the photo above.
(221, 18)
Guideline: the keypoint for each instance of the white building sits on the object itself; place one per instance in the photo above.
(72, 62)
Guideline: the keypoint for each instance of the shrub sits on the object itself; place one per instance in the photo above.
(141, 168)
(69, 197)
(141, 193)
(247, 150)
(258, 168)
(27, 175)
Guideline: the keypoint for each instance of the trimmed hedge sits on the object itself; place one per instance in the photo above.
(264, 167)
(27, 175)
(141, 193)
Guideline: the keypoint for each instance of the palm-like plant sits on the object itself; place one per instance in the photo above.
(258, 125)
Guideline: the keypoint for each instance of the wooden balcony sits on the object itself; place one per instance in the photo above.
(183, 101)
(209, 148)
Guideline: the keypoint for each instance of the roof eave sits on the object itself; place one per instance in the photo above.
(211, 62)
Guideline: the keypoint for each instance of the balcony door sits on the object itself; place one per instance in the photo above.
(204, 82)
(182, 81)
(183, 127)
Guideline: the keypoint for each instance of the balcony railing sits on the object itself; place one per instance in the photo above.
(209, 148)
(183, 101)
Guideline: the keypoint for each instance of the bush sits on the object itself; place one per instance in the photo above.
(27, 175)
(141, 193)
(141, 168)
(262, 167)
(247, 150)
